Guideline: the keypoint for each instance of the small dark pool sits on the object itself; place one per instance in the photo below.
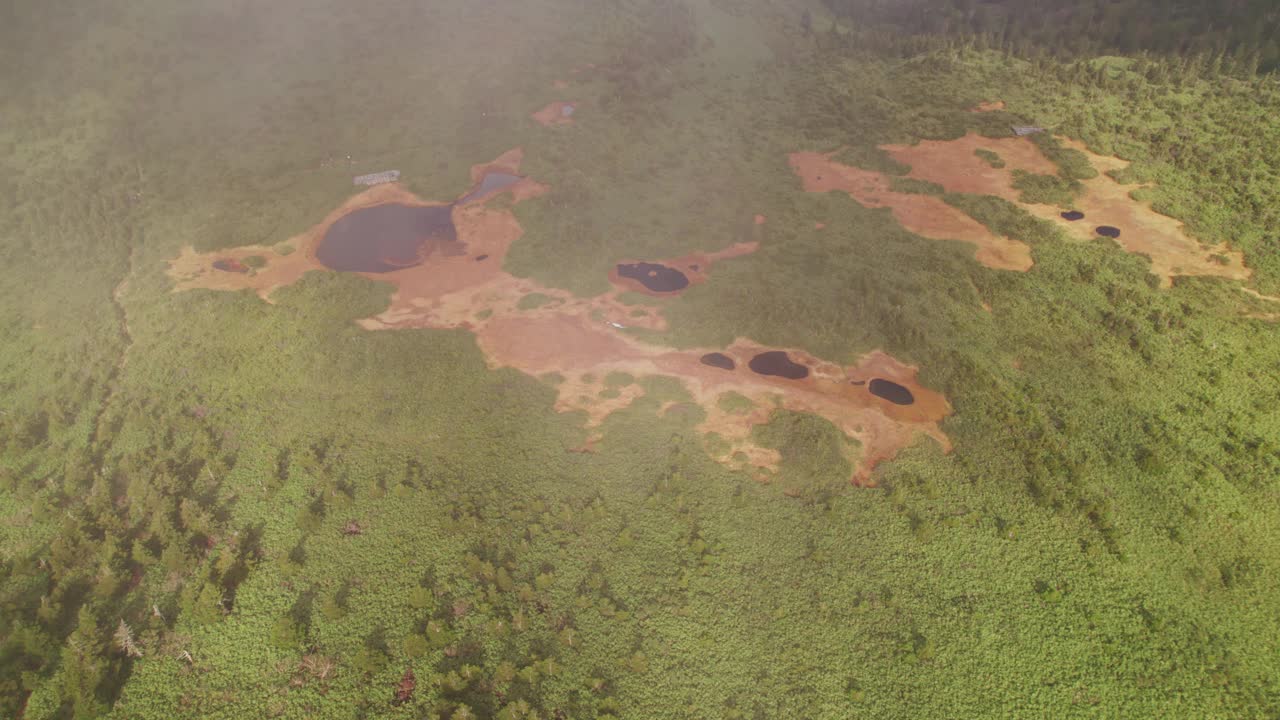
(776, 363)
(388, 237)
(1108, 231)
(658, 278)
(891, 391)
(230, 265)
(719, 360)
(1073, 215)
(489, 183)
(480, 258)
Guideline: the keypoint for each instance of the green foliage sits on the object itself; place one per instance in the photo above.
(735, 403)
(533, 301)
(1072, 164)
(869, 157)
(814, 452)
(991, 157)
(618, 379)
(290, 511)
(1046, 189)
(915, 186)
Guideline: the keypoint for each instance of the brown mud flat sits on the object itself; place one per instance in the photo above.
(1104, 201)
(924, 215)
(988, 106)
(954, 165)
(582, 338)
(695, 268)
(557, 113)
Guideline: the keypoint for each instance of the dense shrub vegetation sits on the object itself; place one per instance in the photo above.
(1243, 34)
(212, 506)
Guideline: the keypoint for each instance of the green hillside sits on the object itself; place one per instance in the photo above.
(212, 506)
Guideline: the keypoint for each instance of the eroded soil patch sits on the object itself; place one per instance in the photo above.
(582, 339)
(557, 113)
(924, 215)
(1106, 203)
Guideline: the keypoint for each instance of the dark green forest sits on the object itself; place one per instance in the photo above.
(1242, 34)
(216, 507)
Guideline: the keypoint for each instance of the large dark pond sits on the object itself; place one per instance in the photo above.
(658, 278)
(776, 363)
(719, 360)
(891, 391)
(491, 182)
(388, 237)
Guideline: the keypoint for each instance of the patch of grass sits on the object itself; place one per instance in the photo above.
(915, 186)
(256, 262)
(619, 379)
(735, 403)
(1004, 218)
(533, 301)
(1072, 164)
(991, 157)
(631, 297)
(871, 158)
(814, 454)
(716, 444)
(1046, 189)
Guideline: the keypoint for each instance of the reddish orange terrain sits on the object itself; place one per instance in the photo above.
(924, 215)
(954, 164)
(877, 401)
(556, 113)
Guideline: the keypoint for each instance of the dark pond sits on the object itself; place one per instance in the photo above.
(491, 182)
(481, 257)
(1108, 231)
(230, 265)
(776, 363)
(719, 360)
(658, 278)
(891, 391)
(1073, 215)
(388, 237)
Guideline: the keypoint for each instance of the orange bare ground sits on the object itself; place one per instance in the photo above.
(695, 267)
(1143, 230)
(988, 106)
(566, 335)
(953, 165)
(923, 215)
(553, 114)
(760, 219)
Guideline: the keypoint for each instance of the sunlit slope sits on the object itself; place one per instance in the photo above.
(290, 515)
